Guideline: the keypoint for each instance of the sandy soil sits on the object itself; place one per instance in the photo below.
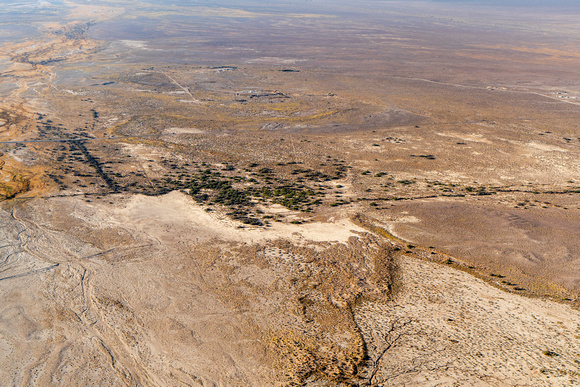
(155, 291)
(147, 292)
(448, 328)
(534, 244)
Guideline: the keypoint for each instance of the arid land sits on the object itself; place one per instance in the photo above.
(291, 194)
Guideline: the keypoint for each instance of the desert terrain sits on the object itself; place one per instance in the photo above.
(292, 193)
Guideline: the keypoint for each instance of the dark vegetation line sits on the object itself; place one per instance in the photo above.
(238, 191)
(95, 163)
(80, 139)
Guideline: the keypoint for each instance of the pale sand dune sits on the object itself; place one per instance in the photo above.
(176, 210)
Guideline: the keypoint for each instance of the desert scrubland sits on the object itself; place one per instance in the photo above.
(292, 193)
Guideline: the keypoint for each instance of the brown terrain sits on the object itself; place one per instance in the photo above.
(293, 194)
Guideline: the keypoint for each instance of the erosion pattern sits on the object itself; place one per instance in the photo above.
(240, 194)
(119, 296)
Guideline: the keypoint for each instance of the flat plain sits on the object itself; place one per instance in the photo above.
(297, 193)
